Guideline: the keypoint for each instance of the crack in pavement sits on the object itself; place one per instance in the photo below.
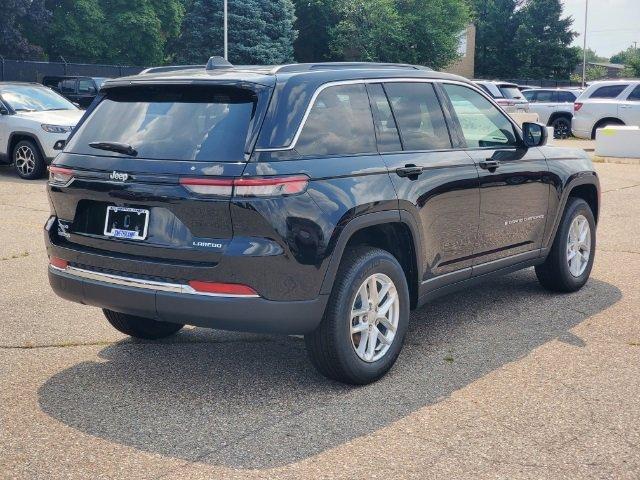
(621, 188)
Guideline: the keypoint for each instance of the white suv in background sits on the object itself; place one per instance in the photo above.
(615, 102)
(35, 122)
(505, 94)
(554, 107)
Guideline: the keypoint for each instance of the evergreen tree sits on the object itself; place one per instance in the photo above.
(17, 17)
(542, 43)
(260, 31)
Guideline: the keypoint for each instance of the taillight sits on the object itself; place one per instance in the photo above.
(270, 186)
(247, 186)
(60, 176)
(577, 106)
(58, 263)
(227, 289)
(208, 186)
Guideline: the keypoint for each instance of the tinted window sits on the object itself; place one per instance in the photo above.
(483, 125)
(419, 116)
(339, 123)
(36, 99)
(68, 86)
(511, 92)
(85, 86)
(386, 130)
(172, 123)
(567, 97)
(611, 91)
(635, 95)
(546, 96)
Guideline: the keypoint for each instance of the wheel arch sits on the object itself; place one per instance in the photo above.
(390, 230)
(584, 185)
(555, 115)
(16, 137)
(602, 121)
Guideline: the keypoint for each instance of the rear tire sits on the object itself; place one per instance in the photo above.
(28, 160)
(561, 127)
(139, 327)
(556, 273)
(340, 348)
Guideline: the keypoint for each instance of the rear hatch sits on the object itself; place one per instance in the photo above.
(513, 97)
(148, 175)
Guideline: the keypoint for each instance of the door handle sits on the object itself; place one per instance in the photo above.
(409, 171)
(490, 164)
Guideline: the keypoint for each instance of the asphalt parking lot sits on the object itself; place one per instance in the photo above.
(502, 381)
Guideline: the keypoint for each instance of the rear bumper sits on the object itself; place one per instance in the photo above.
(249, 314)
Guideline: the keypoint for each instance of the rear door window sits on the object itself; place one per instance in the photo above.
(634, 96)
(167, 122)
(339, 123)
(86, 86)
(566, 97)
(386, 129)
(483, 125)
(419, 116)
(68, 86)
(610, 91)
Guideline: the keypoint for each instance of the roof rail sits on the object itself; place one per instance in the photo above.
(171, 68)
(307, 67)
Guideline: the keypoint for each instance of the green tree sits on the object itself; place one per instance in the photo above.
(496, 26)
(19, 19)
(625, 56)
(411, 31)
(76, 30)
(260, 31)
(314, 21)
(543, 41)
(633, 67)
(523, 38)
(137, 32)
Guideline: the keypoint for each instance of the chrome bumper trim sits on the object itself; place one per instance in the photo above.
(140, 283)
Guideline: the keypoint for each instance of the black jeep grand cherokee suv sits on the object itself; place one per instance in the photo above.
(326, 200)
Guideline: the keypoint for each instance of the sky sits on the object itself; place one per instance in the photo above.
(613, 24)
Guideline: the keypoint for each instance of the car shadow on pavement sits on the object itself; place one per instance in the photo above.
(249, 401)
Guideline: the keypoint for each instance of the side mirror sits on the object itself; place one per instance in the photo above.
(534, 134)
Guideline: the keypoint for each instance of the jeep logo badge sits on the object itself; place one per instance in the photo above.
(119, 176)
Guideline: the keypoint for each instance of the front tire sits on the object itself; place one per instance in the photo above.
(569, 264)
(365, 321)
(28, 160)
(138, 327)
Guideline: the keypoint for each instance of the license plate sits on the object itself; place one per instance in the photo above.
(128, 223)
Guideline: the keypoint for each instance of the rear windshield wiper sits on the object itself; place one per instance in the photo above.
(115, 147)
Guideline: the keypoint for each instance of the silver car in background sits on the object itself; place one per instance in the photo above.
(554, 107)
(506, 94)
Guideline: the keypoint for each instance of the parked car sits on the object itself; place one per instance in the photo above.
(34, 123)
(326, 200)
(507, 95)
(80, 90)
(602, 104)
(554, 108)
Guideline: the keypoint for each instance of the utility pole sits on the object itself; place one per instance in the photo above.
(584, 48)
(226, 32)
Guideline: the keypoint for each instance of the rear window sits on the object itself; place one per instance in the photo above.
(611, 91)
(511, 92)
(208, 124)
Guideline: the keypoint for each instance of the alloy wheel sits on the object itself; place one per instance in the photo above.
(579, 245)
(25, 160)
(374, 317)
